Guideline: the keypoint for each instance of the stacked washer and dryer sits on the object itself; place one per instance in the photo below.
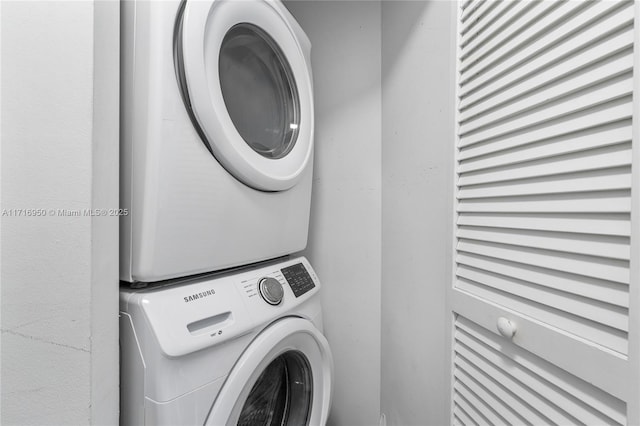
(218, 325)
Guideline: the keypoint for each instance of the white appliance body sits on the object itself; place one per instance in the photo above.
(215, 173)
(213, 351)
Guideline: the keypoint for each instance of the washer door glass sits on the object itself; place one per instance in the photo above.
(259, 90)
(282, 394)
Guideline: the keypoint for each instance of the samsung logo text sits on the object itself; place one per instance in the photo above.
(197, 296)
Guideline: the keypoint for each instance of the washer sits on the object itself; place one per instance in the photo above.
(216, 136)
(242, 348)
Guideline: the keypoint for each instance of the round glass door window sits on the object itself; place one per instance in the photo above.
(282, 394)
(259, 90)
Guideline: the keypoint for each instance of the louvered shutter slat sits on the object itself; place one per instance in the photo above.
(501, 385)
(463, 405)
(521, 102)
(601, 158)
(585, 202)
(606, 291)
(489, 395)
(583, 122)
(565, 304)
(594, 245)
(598, 180)
(470, 11)
(510, 15)
(521, 33)
(583, 223)
(488, 27)
(547, 50)
(601, 137)
(590, 266)
(485, 412)
(461, 416)
(602, 95)
(553, 393)
(586, 68)
(480, 14)
(539, 375)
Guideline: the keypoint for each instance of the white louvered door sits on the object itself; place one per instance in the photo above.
(546, 128)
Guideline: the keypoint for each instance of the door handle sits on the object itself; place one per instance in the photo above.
(506, 327)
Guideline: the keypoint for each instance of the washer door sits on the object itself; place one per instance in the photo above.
(245, 79)
(283, 378)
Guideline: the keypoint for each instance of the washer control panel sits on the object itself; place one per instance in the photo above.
(210, 310)
(279, 286)
(298, 278)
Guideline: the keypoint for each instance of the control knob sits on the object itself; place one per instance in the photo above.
(271, 290)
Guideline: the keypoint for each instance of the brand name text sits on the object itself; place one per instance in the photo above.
(200, 295)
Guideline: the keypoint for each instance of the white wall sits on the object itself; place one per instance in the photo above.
(417, 161)
(59, 274)
(344, 239)
(390, 157)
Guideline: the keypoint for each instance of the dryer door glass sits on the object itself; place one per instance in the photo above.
(282, 394)
(259, 90)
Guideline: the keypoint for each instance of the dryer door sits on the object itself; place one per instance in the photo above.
(247, 84)
(283, 378)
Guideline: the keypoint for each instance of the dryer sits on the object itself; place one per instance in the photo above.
(216, 136)
(241, 348)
